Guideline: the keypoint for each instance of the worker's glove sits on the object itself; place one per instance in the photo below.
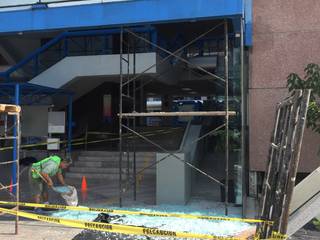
(50, 184)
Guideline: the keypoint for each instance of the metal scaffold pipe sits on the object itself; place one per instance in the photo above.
(173, 54)
(120, 118)
(226, 77)
(14, 112)
(179, 114)
(131, 96)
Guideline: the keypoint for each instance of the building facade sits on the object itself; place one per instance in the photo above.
(282, 44)
(69, 44)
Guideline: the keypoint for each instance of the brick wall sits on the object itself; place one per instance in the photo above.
(286, 37)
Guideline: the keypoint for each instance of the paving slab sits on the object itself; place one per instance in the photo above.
(36, 231)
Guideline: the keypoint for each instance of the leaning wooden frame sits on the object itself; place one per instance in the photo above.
(12, 132)
(9, 108)
(282, 167)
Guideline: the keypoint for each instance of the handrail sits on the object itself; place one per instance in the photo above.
(184, 138)
(64, 36)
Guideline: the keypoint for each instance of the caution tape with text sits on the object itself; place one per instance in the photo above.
(115, 228)
(127, 212)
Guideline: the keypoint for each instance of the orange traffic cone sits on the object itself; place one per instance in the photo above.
(11, 188)
(84, 184)
(84, 189)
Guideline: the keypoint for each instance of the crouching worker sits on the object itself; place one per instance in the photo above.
(40, 175)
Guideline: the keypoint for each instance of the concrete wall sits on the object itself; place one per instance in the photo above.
(286, 37)
(171, 180)
(174, 177)
(34, 121)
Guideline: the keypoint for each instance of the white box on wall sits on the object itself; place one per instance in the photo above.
(56, 122)
(53, 144)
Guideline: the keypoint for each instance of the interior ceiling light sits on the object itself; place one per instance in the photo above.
(193, 92)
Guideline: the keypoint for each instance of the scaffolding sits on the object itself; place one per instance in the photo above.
(129, 87)
(12, 132)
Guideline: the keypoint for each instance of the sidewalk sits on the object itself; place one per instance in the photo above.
(34, 230)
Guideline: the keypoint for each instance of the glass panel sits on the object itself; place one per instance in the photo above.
(235, 130)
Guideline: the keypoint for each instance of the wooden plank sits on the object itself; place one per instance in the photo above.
(305, 190)
(303, 215)
(178, 114)
(8, 108)
(246, 234)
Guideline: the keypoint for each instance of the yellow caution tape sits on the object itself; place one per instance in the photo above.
(41, 144)
(278, 236)
(79, 141)
(127, 212)
(115, 228)
(274, 236)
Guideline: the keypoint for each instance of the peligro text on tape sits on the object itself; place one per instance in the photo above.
(115, 228)
(278, 236)
(274, 236)
(127, 212)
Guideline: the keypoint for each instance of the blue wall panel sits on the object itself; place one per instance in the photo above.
(248, 22)
(117, 13)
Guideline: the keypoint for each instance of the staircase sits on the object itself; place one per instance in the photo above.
(103, 165)
(62, 62)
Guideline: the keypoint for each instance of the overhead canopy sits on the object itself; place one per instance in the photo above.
(131, 12)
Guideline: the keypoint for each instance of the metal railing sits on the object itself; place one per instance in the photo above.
(62, 46)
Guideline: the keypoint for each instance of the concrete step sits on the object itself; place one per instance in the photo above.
(105, 164)
(103, 170)
(111, 154)
(114, 159)
(104, 176)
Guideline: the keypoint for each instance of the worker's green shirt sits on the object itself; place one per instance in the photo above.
(51, 168)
